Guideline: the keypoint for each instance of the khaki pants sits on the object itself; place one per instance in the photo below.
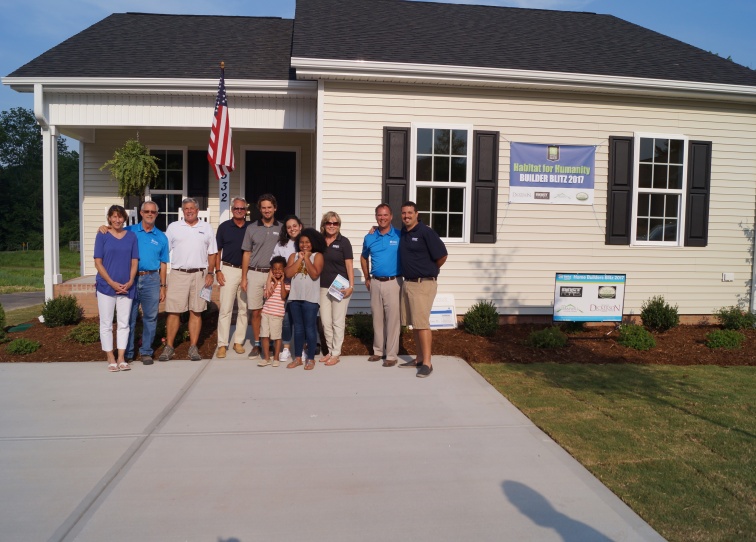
(333, 317)
(228, 293)
(385, 305)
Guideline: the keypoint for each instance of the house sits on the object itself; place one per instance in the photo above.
(358, 101)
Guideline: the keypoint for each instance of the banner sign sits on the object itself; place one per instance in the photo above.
(444, 313)
(555, 174)
(587, 297)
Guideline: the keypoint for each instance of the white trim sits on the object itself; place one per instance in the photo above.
(297, 172)
(82, 159)
(356, 70)
(234, 87)
(634, 214)
(412, 193)
(319, 122)
(184, 178)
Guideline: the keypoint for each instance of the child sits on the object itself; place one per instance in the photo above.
(273, 312)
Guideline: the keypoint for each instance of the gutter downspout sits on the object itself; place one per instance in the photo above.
(49, 194)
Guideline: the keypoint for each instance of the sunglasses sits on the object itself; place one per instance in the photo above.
(239, 208)
(332, 224)
(150, 212)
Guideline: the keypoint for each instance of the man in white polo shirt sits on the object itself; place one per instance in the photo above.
(194, 252)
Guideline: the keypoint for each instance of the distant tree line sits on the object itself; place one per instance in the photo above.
(21, 183)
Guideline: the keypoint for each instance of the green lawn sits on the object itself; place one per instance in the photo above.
(677, 444)
(23, 271)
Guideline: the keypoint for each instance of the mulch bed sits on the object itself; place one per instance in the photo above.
(683, 345)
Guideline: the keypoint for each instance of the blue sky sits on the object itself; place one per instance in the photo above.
(30, 27)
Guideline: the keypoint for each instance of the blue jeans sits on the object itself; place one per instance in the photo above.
(148, 296)
(304, 316)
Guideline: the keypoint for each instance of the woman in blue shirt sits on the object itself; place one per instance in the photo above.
(116, 257)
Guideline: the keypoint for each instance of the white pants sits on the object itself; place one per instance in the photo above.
(230, 291)
(333, 317)
(107, 305)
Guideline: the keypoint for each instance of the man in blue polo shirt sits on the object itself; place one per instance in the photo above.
(150, 280)
(422, 253)
(380, 267)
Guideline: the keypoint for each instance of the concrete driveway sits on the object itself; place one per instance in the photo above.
(223, 450)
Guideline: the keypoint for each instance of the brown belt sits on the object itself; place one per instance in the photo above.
(143, 273)
(260, 269)
(420, 279)
(383, 279)
(226, 264)
(198, 270)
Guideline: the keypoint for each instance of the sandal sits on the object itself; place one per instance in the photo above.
(113, 367)
(325, 359)
(310, 365)
(296, 363)
(333, 361)
(123, 366)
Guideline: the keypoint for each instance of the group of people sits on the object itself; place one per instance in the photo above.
(281, 276)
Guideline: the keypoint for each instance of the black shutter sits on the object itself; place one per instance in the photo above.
(699, 186)
(485, 183)
(619, 201)
(396, 170)
(198, 177)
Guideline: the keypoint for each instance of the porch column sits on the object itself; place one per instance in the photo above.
(50, 208)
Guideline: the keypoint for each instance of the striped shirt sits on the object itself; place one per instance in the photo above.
(274, 305)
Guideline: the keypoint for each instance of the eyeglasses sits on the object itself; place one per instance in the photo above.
(239, 208)
(150, 212)
(332, 224)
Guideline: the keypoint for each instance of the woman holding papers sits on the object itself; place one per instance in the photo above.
(304, 269)
(336, 285)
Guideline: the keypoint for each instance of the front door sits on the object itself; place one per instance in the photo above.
(271, 172)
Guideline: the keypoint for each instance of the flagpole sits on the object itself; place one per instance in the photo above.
(224, 188)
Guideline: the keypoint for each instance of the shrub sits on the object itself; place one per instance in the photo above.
(725, 338)
(61, 311)
(635, 336)
(658, 315)
(734, 318)
(482, 319)
(86, 333)
(360, 326)
(22, 347)
(2, 322)
(550, 337)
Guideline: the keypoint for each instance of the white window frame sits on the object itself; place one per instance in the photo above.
(184, 165)
(637, 191)
(467, 185)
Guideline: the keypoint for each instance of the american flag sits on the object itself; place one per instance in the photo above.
(220, 152)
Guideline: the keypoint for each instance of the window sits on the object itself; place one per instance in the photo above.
(659, 186)
(168, 189)
(441, 171)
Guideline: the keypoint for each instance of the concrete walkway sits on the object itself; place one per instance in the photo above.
(223, 450)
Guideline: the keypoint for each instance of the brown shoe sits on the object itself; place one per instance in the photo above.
(389, 363)
(239, 349)
(221, 352)
(375, 358)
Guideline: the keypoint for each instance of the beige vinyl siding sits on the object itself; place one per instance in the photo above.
(537, 241)
(101, 191)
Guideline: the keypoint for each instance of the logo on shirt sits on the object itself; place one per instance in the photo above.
(335, 246)
(393, 242)
(414, 238)
(154, 242)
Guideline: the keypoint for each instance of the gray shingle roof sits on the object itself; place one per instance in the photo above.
(171, 46)
(497, 37)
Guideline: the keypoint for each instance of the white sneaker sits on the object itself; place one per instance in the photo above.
(285, 355)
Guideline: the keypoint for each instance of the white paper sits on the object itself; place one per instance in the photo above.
(206, 292)
(337, 285)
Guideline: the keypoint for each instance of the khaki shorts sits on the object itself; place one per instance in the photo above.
(417, 302)
(255, 289)
(184, 292)
(271, 326)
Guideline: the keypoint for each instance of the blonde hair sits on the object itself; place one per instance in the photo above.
(328, 217)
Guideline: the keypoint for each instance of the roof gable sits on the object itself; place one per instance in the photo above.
(400, 31)
(139, 45)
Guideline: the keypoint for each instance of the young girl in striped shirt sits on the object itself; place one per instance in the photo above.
(273, 312)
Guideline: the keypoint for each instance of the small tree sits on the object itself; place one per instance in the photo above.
(133, 167)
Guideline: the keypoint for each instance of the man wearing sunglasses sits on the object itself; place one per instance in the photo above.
(229, 274)
(150, 280)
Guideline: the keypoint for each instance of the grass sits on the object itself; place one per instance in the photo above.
(677, 444)
(24, 271)
(19, 316)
